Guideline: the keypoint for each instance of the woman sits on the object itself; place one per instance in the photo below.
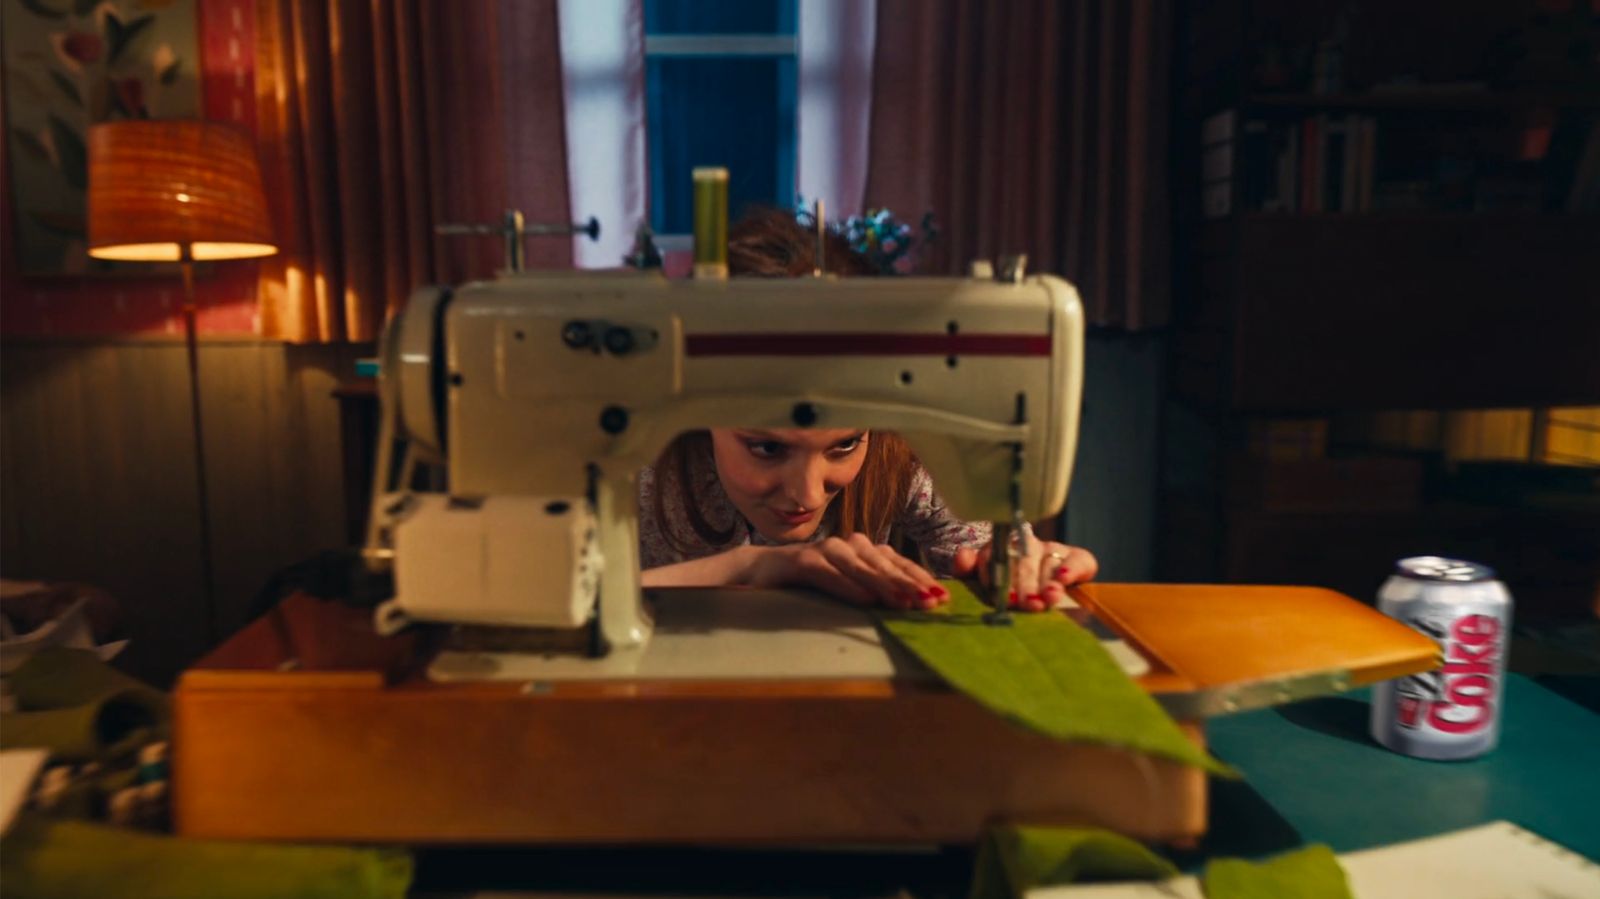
(818, 508)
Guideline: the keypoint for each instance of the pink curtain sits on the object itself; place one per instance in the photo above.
(1032, 126)
(377, 121)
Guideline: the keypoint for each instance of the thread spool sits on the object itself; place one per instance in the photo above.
(711, 222)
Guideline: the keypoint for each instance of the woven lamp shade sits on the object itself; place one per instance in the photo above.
(155, 186)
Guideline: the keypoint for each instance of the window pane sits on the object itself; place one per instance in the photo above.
(719, 17)
(733, 112)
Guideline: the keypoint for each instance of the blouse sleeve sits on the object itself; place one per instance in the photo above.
(936, 532)
(654, 551)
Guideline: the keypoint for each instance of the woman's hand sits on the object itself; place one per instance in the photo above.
(1041, 578)
(852, 568)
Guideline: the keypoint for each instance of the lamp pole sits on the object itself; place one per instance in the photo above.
(208, 583)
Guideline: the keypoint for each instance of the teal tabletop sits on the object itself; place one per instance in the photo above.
(1313, 767)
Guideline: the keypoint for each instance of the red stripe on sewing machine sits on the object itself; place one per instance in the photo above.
(824, 344)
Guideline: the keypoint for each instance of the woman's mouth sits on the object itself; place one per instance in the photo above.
(793, 518)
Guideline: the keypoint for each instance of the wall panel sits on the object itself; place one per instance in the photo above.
(96, 464)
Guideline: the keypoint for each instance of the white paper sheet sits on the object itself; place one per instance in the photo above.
(1491, 861)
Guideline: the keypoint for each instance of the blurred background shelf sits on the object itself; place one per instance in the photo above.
(1387, 295)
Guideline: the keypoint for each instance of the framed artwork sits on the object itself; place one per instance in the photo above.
(69, 64)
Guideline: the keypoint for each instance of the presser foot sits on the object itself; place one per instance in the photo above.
(997, 617)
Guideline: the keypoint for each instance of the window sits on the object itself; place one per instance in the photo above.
(720, 89)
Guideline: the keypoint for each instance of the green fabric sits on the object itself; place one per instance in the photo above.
(1045, 673)
(1014, 859)
(1313, 872)
(42, 858)
(78, 707)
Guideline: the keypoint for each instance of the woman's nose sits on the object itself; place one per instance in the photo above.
(807, 485)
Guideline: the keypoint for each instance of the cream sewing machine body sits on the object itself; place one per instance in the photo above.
(543, 395)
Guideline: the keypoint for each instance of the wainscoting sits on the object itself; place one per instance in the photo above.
(97, 473)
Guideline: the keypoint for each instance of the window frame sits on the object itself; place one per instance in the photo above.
(726, 46)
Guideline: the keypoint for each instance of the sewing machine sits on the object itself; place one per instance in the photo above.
(544, 395)
(704, 717)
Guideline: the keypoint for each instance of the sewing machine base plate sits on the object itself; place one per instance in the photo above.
(717, 634)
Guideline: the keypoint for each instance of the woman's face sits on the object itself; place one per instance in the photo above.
(782, 481)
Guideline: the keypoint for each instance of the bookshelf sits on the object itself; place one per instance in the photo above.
(1380, 209)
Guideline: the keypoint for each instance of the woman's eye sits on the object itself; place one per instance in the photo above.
(846, 447)
(765, 449)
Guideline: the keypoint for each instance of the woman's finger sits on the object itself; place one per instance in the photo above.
(896, 586)
(857, 560)
(907, 568)
(930, 592)
(1075, 566)
(813, 568)
(1055, 595)
(968, 560)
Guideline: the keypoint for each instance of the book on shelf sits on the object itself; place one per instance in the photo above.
(1319, 163)
(1216, 164)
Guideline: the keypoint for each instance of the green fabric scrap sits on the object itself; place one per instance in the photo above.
(1045, 673)
(57, 677)
(43, 859)
(1013, 859)
(1313, 872)
(80, 708)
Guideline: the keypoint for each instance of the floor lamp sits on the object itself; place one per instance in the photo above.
(184, 191)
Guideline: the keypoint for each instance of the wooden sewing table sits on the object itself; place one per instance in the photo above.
(307, 726)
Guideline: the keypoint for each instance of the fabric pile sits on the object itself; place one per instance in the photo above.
(93, 820)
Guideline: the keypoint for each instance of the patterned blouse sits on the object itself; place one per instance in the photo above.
(925, 522)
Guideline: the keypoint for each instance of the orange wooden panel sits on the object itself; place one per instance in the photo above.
(1213, 635)
(464, 765)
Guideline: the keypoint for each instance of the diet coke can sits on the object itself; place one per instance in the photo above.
(1452, 712)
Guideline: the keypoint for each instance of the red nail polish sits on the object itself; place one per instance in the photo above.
(936, 590)
(1061, 572)
(1034, 597)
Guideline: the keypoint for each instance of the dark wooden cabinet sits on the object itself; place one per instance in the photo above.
(1379, 207)
(1307, 314)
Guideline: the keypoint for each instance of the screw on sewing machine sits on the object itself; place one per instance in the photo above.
(804, 415)
(614, 420)
(619, 340)
(577, 335)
